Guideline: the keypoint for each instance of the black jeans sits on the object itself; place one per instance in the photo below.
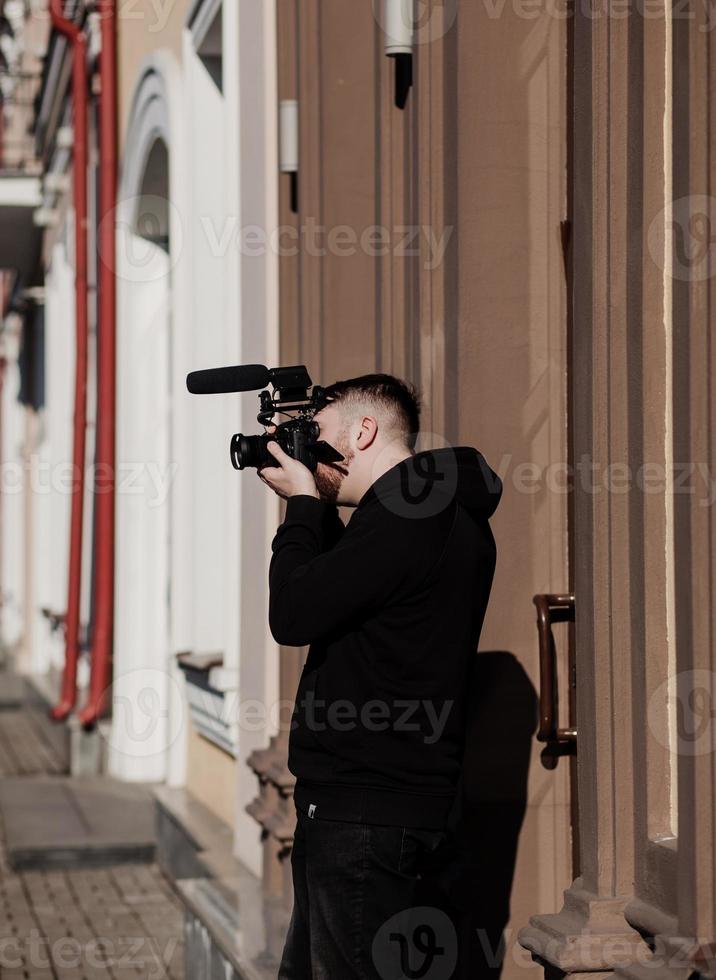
(362, 907)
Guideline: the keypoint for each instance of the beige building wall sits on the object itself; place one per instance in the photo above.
(210, 776)
(644, 903)
(144, 27)
(509, 372)
(475, 166)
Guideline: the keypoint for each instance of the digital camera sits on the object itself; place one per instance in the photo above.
(298, 437)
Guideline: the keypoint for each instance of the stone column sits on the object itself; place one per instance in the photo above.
(590, 934)
(677, 904)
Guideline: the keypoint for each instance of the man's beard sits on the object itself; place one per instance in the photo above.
(330, 476)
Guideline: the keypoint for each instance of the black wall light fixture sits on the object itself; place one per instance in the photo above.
(398, 29)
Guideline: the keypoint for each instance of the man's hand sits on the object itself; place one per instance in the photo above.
(288, 478)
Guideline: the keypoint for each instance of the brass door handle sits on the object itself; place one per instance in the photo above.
(551, 609)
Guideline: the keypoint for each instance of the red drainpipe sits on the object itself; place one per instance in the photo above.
(101, 659)
(2, 132)
(3, 366)
(78, 42)
(4, 297)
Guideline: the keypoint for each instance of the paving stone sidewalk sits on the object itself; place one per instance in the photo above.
(117, 922)
(24, 749)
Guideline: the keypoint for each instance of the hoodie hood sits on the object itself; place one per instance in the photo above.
(429, 481)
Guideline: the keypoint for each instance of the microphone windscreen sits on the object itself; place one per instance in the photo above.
(224, 380)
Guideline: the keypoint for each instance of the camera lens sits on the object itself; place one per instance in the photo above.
(246, 451)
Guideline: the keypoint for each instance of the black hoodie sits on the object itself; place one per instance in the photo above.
(392, 606)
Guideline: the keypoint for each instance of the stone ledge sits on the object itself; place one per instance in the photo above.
(233, 931)
(192, 842)
(60, 822)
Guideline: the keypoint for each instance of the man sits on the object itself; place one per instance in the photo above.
(392, 606)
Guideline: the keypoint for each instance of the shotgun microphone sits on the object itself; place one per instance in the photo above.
(225, 380)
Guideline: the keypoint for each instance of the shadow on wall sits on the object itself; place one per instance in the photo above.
(474, 889)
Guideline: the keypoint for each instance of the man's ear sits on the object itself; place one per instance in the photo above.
(367, 432)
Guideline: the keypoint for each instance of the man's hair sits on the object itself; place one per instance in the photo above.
(397, 399)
